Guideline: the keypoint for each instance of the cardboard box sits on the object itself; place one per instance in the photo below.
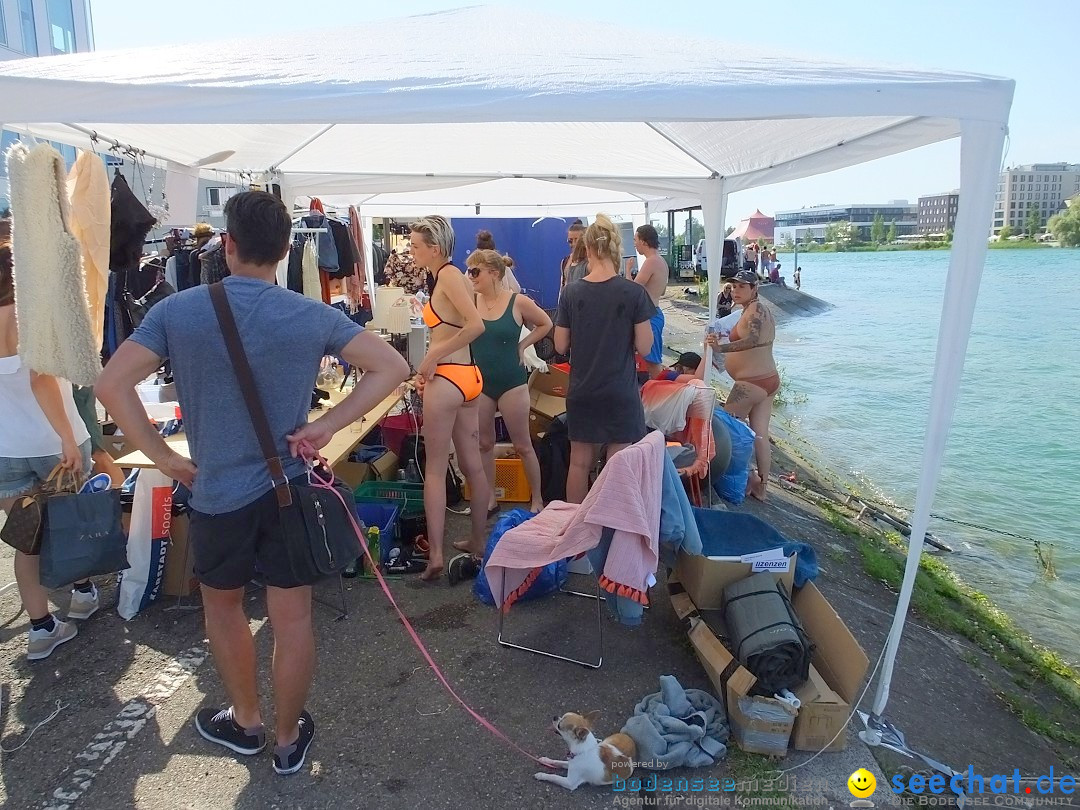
(353, 474)
(705, 579)
(841, 665)
(385, 467)
(838, 668)
(554, 381)
(179, 577)
(547, 393)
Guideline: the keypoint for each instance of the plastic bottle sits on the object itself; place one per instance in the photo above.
(373, 544)
(412, 472)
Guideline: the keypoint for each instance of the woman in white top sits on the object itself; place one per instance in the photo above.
(40, 429)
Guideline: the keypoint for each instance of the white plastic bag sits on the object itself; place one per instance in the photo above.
(148, 540)
(532, 359)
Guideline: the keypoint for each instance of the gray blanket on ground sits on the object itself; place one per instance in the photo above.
(678, 728)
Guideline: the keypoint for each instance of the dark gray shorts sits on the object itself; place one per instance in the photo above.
(230, 548)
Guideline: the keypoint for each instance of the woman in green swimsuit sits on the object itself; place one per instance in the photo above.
(499, 353)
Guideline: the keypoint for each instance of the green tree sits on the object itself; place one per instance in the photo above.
(1065, 226)
(832, 232)
(729, 231)
(1004, 233)
(1033, 222)
(949, 236)
(877, 229)
(891, 235)
(852, 233)
(808, 237)
(789, 243)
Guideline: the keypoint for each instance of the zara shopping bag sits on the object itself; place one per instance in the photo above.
(83, 538)
(147, 543)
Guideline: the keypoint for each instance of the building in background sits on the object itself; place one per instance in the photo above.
(1043, 187)
(41, 28)
(937, 213)
(811, 223)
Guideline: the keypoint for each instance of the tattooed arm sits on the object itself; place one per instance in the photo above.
(758, 318)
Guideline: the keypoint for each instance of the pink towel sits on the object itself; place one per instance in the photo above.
(626, 498)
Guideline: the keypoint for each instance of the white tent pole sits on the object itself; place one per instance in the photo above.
(714, 213)
(980, 162)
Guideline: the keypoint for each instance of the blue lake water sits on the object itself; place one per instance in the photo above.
(865, 371)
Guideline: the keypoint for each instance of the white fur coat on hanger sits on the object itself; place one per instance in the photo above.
(50, 292)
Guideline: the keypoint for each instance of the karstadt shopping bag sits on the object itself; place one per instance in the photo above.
(147, 543)
(83, 538)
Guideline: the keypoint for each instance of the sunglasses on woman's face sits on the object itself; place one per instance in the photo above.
(474, 272)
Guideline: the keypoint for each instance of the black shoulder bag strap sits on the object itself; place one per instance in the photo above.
(246, 378)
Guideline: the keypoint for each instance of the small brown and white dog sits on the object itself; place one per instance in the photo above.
(589, 761)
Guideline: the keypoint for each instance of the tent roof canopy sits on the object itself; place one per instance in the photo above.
(483, 93)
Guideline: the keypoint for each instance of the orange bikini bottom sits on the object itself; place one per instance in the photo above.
(465, 377)
(770, 384)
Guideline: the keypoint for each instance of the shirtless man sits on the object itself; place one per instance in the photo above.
(653, 276)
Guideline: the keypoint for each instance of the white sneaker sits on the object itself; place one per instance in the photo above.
(42, 642)
(83, 605)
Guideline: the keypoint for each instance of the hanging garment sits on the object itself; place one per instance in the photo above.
(50, 293)
(129, 225)
(212, 266)
(183, 269)
(327, 248)
(355, 284)
(88, 191)
(346, 249)
(312, 286)
(296, 265)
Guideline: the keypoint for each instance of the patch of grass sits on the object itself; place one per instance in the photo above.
(788, 394)
(948, 604)
(1037, 720)
(839, 522)
(755, 776)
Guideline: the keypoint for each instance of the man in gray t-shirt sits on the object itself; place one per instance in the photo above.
(235, 522)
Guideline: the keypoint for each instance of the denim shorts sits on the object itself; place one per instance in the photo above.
(21, 475)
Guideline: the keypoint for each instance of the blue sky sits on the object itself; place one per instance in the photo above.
(1034, 43)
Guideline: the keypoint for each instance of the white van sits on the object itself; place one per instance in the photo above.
(733, 257)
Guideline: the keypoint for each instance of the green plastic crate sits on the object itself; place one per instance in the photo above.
(409, 497)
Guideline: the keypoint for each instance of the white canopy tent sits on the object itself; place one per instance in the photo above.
(442, 101)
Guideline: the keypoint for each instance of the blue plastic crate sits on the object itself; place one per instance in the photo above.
(385, 516)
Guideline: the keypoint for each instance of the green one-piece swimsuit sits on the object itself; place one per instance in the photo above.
(495, 353)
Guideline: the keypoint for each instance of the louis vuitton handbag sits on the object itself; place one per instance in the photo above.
(25, 525)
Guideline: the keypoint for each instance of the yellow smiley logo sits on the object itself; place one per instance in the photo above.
(862, 784)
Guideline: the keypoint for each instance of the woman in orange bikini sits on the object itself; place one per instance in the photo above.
(749, 360)
(451, 384)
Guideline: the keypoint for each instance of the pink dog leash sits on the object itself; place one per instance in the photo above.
(311, 455)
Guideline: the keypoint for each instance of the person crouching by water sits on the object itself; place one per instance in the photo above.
(499, 352)
(601, 321)
(748, 358)
(451, 384)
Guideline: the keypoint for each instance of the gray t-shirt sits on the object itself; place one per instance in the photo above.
(285, 336)
(603, 403)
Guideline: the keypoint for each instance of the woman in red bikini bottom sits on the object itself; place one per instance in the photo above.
(749, 360)
(451, 384)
